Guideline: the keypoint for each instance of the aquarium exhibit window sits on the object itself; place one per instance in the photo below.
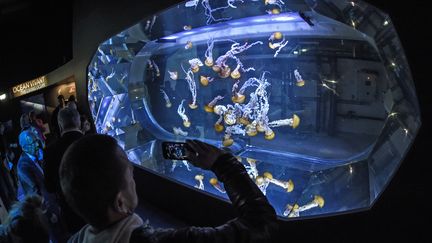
(315, 98)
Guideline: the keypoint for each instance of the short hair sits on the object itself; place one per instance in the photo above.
(25, 121)
(72, 105)
(26, 137)
(91, 176)
(69, 118)
(27, 221)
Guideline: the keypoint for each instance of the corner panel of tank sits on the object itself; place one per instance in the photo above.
(317, 105)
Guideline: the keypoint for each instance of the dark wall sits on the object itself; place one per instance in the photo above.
(36, 38)
(93, 23)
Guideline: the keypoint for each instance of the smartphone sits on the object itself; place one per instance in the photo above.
(174, 150)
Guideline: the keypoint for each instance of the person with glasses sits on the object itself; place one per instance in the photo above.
(30, 173)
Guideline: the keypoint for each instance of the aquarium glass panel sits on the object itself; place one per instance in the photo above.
(314, 97)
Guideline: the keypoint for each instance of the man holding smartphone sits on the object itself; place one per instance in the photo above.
(110, 212)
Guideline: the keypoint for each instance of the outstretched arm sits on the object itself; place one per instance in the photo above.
(257, 218)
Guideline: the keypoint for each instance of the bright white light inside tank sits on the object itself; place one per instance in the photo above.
(304, 50)
(3, 97)
(386, 23)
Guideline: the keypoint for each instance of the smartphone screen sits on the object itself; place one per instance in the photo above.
(174, 150)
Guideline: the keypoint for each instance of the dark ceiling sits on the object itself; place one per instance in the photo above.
(36, 38)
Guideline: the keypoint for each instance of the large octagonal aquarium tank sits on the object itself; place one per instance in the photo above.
(314, 97)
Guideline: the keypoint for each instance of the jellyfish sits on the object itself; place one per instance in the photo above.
(166, 98)
(209, 106)
(192, 86)
(251, 168)
(262, 184)
(205, 80)
(287, 185)
(278, 46)
(292, 122)
(279, 3)
(218, 125)
(275, 36)
(223, 69)
(295, 210)
(215, 183)
(184, 162)
(239, 96)
(173, 75)
(195, 63)
(181, 111)
(208, 10)
(178, 131)
(199, 179)
(236, 129)
(209, 53)
(299, 80)
(188, 45)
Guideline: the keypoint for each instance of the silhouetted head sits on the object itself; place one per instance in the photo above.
(26, 222)
(68, 119)
(29, 142)
(97, 180)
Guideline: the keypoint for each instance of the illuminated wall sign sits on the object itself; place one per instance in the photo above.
(29, 86)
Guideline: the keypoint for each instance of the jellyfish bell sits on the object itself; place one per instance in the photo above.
(238, 98)
(208, 62)
(243, 121)
(193, 106)
(213, 181)
(290, 186)
(204, 80)
(229, 119)
(216, 68)
(296, 121)
(260, 127)
(277, 35)
(227, 141)
(275, 11)
(269, 135)
(319, 200)
(208, 109)
(225, 72)
(235, 74)
(186, 123)
(251, 131)
(188, 45)
(218, 127)
(195, 68)
(300, 83)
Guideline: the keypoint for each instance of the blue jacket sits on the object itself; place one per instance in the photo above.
(30, 177)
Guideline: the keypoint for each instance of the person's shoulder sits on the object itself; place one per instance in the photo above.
(79, 236)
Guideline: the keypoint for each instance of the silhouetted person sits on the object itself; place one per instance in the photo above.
(85, 124)
(26, 223)
(55, 130)
(97, 180)
(37, 123)
(69, 124)
(30, 174)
